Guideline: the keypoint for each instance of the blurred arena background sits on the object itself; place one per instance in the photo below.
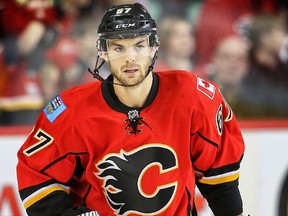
(46, 46)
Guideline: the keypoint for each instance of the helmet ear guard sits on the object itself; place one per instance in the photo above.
(101, 45)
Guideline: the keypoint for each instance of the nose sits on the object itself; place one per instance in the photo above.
(130, 55)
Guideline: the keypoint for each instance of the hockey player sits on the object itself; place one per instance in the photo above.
(135, 143)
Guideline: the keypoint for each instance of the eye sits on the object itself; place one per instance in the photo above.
(139, 47)
(118, 49)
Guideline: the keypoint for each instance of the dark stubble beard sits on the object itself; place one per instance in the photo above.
(125, 82)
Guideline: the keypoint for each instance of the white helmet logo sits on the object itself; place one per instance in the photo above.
(125, 25)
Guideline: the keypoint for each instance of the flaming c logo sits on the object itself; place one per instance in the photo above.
(128, 176)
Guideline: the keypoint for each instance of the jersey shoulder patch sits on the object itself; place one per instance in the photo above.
(206, 87)
(54, 108)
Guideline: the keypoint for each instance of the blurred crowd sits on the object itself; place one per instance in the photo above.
(46, 46)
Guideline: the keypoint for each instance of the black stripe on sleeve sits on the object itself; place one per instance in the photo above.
(205, 138)
(222, 169)
(61, 158)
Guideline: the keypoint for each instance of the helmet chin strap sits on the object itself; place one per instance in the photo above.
(96, 73)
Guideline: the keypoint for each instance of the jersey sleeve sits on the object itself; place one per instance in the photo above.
(46, 168)
(217, 149)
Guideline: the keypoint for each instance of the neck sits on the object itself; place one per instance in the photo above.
(134, 96)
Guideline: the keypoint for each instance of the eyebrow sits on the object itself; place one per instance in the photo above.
(141, 41)
(117, 44)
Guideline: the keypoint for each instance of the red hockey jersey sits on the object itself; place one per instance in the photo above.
(87, 148)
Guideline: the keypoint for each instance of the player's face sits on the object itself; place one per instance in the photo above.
(129, 59)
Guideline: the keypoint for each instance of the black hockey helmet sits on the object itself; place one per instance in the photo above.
(127, 21)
